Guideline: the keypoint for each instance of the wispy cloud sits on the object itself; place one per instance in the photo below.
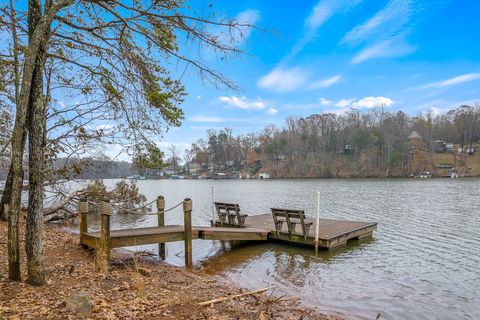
(248, 18)
(243, 102)
(365, 103)
(283, 80)
(325, 83)
(271, 111)
(320, 14)
(324, 101)
(216, 119)
(238, 36)
(206, 119)
(343, 103)
(388, 22)
(452, 81)
(325, 9)
(385, 49)
(385, 34)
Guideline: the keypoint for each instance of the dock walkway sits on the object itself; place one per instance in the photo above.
(171, 233)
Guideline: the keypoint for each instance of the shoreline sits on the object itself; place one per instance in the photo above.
(134, 288)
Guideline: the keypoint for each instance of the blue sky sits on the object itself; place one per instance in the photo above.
(332, 55)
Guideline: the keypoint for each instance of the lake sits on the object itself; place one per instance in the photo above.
(423, 262)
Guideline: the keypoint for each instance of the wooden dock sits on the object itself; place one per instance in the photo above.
(290, 226)
(171, 233)
(332, 233)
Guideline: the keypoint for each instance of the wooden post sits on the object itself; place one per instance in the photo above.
(83, 211)
(106, 212)
(213, 206)
(317, 223)
(161, 223)
(187, 214)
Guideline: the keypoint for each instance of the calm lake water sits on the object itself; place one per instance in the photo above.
(422, 263)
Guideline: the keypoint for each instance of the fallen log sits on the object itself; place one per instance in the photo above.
(66, 201)
(210, 302)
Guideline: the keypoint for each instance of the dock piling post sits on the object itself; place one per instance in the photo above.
(106, 212)
(213, 205)
(317, 223)
(161, 223)
(83, 211)
(187, 214)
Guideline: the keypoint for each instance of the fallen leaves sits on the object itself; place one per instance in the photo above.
(132, 289)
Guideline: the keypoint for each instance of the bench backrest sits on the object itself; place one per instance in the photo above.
(289, 214)
(228, 209)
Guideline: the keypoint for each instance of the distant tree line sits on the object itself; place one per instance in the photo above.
(354, 143)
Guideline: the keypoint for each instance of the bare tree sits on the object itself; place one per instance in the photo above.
(110, 59)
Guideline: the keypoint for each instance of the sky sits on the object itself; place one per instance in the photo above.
(309, 57)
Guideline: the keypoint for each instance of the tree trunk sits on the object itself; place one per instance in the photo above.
(7, 192)
(37, 34)
(14, 204)
(34, 229)
(6, 195)
(36, 127)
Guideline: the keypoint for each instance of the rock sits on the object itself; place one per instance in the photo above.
(79, 303)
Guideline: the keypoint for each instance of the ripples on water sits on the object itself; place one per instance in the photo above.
(423, 262)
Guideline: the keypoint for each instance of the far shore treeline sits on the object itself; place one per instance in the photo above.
(374, 143)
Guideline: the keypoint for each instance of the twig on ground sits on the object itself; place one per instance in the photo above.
(210, 302)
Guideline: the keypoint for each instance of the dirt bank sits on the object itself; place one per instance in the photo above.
(134, 288)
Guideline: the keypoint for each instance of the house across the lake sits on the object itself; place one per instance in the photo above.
(263, 175)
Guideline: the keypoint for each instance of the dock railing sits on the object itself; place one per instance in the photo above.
(105, 208)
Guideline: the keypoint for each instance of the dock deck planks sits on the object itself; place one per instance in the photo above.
(150, 235)
(332, 233)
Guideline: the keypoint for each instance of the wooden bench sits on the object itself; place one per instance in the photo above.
(292, 218)
(230, 212)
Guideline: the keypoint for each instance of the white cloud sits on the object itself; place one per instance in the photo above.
(248, 18)
(453, 81)
(206, 119)
(384, 49)
(199, 97)
(372, 102)
(386, 22)
(367, 102)
(245, 23)
(343, 103)
(283, 80)
(272, 111)
(243, 103)
(325, 83)
(216, 119)
(324, 102)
